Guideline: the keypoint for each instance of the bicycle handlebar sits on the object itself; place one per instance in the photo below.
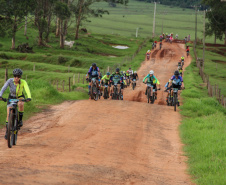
(6, 99)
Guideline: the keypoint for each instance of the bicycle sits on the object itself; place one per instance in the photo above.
(187, 53)
(160, 46)
(106, 93)
(94, 94)
(128, 81)
(169, 99)
(175, 98)
(150, 93)
(116, 95)
(134, 84)
(13, 128)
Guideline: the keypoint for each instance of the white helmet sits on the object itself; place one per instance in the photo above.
(151, 72)
(135, 72)
(148, 50)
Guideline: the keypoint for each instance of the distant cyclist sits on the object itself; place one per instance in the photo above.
(16, 86)
(130, 71)
(134, 76)
(148, 54)
(94, 72)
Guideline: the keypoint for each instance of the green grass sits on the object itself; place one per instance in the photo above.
(215, 65)
(123, 20)
(203, 131)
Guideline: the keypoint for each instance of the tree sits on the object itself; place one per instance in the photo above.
(217, 19)
(63, 13)
(82, 10)
(13, 13)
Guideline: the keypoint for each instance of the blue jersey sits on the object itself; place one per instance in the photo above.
(93, 73)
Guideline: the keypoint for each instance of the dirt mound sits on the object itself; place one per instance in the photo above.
(154, 53)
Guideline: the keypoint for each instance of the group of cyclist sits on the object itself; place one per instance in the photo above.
(121, 78)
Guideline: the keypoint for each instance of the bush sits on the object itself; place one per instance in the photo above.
(62, 60)
(75, 62)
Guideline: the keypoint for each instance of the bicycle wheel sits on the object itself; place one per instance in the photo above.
(175, 101)
(148, 94)
(133, 86)
(153, 98)
(91, 93)
(105, 93)
(15, 134)
(10, 134)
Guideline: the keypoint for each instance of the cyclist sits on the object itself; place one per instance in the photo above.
(160, 44)
(151, 79)
(94, 72)
(155, 44)
(176, 81)
(180, 69)
(16, 86)
(134, 76)
(187, 50)
(148, 54)
(160, 38)
(182, 60)
(177, 36)
(124, 78)
(130, 71)
(118, 78)
(106, 79)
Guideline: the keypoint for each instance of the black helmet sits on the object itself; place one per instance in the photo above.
(18, 72)
(117, 70)
(94, 65)
(176, 73)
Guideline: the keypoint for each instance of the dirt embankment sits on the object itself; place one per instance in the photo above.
(103, 142)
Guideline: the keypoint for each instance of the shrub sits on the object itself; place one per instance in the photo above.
(62, 60)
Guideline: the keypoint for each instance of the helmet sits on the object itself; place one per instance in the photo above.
(117, 70)
(148, 50)
(135, 72)
(124, 72)
(18, 72)
(108, 73)
(176, 73)
(151, 72)
(94, 65)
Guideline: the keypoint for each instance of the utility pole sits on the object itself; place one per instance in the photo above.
(204, 32)
(195, 25)
(153, 35)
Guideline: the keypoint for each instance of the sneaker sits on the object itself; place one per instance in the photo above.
(20, 124)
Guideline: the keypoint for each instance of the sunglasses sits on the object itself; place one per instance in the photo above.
(17, 76)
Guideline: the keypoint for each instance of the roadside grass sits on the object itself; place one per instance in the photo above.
(215, 65)
(203, 131)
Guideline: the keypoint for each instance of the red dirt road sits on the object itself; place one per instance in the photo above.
(103, 142)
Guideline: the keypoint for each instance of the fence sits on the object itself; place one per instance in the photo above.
(213, 90)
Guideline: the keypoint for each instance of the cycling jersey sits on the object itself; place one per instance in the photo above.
(130, 72)
(151, 79)
(106, 78)
(182, 58)
(134, 76)
(116, 77)
(16, 91)
(176, 81)
(93, 73)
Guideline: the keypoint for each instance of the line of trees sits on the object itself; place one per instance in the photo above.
(42, 14)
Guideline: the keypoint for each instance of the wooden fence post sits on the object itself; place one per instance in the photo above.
(63, 85)
(78, 77)
(34, 68)
(69, 84)
(108, 69)
(6, 74)
(219, 91)
(73, 79)
(216, 90)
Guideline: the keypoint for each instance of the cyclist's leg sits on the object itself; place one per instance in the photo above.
(90, 83)
(21, 112)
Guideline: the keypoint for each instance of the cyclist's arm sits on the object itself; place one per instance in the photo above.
(145, 78)
(4, 87)
(27, 90)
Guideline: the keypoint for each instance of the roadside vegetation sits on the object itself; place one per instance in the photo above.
(203, 131)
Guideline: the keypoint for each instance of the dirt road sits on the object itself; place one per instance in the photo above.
(103, 142)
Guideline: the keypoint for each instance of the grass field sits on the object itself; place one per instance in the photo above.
(124, 20)
(203, 131)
